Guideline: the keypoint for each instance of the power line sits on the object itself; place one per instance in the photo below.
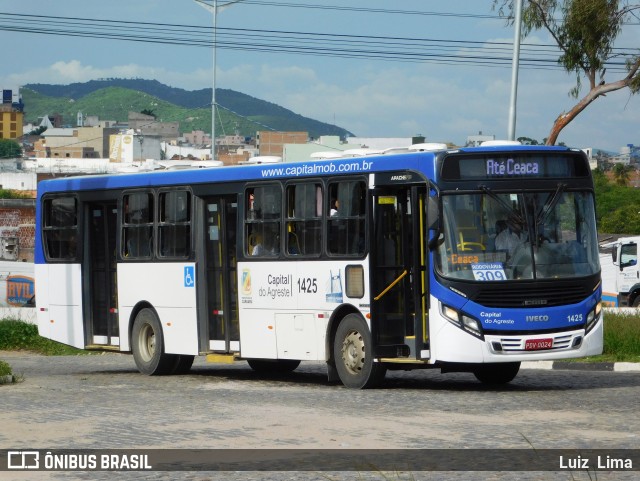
(385, 11)
(397, 49)
(386, 48)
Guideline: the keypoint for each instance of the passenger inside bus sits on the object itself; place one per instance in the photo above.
(267, 244)
(507, 237)
(335, 204)
(293, 245)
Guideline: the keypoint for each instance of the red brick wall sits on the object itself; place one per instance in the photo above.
(20, 222)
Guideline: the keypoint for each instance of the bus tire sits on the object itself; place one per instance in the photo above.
(273, 366)
(148, 345)
(353, 354)
(183, 364)
(497, 373)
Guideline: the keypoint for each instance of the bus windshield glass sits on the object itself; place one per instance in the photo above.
(497, 236)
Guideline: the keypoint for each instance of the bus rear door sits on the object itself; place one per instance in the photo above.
(100, 261)
(220, 272)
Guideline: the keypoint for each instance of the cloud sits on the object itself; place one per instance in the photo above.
(67, 72)
(444, 103)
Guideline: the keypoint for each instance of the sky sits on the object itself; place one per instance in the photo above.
(378, 68)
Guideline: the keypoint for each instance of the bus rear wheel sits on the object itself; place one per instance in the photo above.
(353, 354)
(497, 373)
(147, 344)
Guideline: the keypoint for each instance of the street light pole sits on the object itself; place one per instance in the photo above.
(214, 9)
(514, 72)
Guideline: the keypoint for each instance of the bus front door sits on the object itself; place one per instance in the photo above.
(100, 259)
(221, 273)
(398, 274)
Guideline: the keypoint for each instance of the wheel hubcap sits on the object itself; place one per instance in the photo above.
(353, 352)
(147, 342)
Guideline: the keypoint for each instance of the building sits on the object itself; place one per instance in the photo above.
(130, 146)
(330, 145)
(17, 229)
(383, 143)
(197, 137)
(476, 140)
(233, 140)
(11, 116)
(628, 155)
(148, 125)
(271, 143)
(77, 143)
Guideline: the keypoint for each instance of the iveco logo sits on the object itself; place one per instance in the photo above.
(400, 177)
(535, 302)
(537, 318)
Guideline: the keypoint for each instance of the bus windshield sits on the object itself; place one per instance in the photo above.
(497, 236)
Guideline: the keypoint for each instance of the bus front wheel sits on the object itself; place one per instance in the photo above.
(183, 364)
(353, 354)
(148, 345)
(497, 373)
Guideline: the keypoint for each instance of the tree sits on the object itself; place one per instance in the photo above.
(9, 149)
(148, 112)
(38, 131)
(527, 141)
(621, 174)
(585, 31)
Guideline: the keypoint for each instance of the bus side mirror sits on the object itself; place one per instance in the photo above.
(433, 213)
(614, 256)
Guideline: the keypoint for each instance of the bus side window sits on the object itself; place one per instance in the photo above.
(174, 223)
(304, 217)
(346, 209)
(263, 211)
(60, 228)
(137, 226)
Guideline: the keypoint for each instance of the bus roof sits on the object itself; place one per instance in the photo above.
(423, 161)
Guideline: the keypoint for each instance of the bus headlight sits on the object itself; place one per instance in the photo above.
(461, 320)
(594, 316)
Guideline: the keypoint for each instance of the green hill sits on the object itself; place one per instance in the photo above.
(113, 99)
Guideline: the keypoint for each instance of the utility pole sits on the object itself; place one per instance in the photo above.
(214, 8)
(514, 72)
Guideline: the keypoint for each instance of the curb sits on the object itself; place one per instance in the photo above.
(582, 366)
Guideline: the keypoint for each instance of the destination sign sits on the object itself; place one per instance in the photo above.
(513, 166)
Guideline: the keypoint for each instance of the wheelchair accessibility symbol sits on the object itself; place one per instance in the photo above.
(189, 276)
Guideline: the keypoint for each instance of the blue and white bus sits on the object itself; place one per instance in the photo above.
(465, 260)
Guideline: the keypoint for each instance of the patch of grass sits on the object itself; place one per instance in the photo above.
(621, 339)
(19, 335)
(622, 336)
(5, 369)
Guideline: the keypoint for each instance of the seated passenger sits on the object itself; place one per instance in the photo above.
(506, 238)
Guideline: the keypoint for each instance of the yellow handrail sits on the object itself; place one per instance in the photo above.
(390, 286)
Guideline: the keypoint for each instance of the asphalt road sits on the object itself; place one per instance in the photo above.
(102, 402)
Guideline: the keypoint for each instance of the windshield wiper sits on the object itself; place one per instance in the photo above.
(513, 214)
(550, 204)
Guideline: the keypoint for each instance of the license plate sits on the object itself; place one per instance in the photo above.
(538, 344)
